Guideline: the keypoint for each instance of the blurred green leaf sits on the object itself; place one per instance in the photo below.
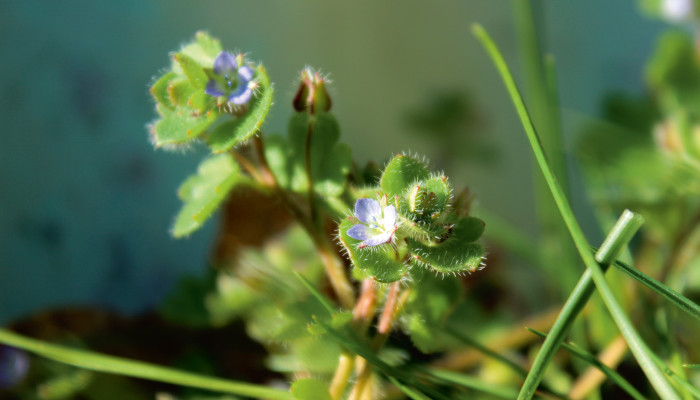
(203, 192)
(179, 126)
(200, 101)
(208, 45)
(159, 90)
(329, 160)
(310, 389)
(193, 70)
(674, 71)
(179, 92)
(431, 300)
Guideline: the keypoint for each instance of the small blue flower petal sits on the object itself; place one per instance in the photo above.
(245, 73)
(389, 217)
(225, 63)
(376, 240)
(360, 232)
(241, 95)
(368, 211)
(212, 89)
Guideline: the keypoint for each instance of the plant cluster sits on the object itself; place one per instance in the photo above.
(358, 292)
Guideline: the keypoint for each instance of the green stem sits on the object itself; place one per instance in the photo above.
(637, 346)
(335, 270)
(137, 369)
(315, 218)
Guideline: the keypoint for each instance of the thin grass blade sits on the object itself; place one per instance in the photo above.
(637, 346)
(669, 294)
(137, 369)
(593, 360)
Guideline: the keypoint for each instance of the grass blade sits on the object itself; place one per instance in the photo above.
(321, 299)
(669, 294)
(486, 351)
(413, 394)
(137, 369)
(474, 383)
(637, 346)
(593, 360)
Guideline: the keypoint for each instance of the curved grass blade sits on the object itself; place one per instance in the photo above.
(474, 383)
(593, 360)
(413, 394)
(321, 299)
(637, 346)
(669, 294)
(137, 369)
(486, 351)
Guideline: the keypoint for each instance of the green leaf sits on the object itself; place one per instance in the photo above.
(159, 90)
(203, 192)
(427, 199)
(193, 70)
(401, 173)
(310, 389)
(330, 161)
(208, 45)
(180, 126)
(240, 129)
(179, 92)
(430, 302)
(455, 254)
(203, 50)
(379, 262)
(200, 101)
(674, 70)
(137, 369)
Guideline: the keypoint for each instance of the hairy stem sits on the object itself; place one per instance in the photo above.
(392, 306)
(335, 270)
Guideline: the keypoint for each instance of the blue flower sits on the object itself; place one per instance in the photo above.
(231, 79)
(378, 224)
(14, 364)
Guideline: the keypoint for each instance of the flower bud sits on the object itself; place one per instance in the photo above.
(312, 95)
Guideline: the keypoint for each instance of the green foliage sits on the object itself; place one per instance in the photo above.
(674, 71)
(329, 159)
(203, 192)
(430, 302)
(457, 253)
(180, 125)
(310, 389)
(402, 172)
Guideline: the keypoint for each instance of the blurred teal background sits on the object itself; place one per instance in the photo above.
(86, 203)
